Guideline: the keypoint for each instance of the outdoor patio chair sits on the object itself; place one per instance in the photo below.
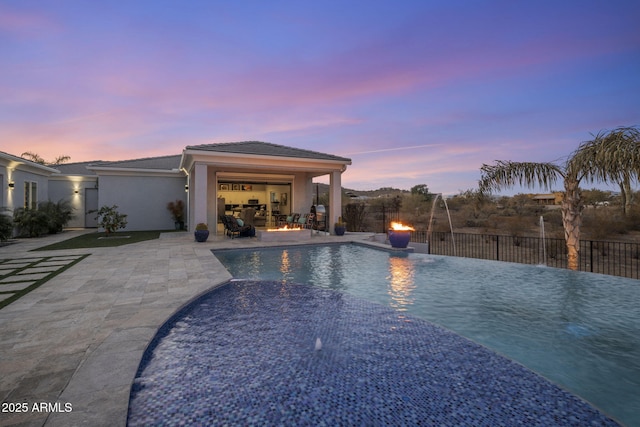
(309, 222)
(248, 216)
(302, 221)
(234, 229)
(294, 220)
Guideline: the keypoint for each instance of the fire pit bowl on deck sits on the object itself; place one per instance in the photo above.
(399, 235)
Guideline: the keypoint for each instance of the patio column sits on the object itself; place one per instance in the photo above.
(335, 199)
(199, 194)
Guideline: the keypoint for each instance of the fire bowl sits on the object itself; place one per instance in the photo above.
(399, 238)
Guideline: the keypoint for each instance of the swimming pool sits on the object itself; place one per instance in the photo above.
(578, 329)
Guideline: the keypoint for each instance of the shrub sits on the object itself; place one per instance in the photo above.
(602, 224)
(110, 219)
(49, 217)
(632, 220)
(6, 227)
(177, 210)
(354, 214)
(30, 222)
(516, 226)
(58, 214)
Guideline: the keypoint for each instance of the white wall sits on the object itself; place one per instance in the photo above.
(64, 188)
(303, 193)
(15, 196)
(143, 198)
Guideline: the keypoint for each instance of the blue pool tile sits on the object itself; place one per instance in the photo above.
(244, 354)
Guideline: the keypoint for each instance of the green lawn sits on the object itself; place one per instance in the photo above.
(99, 240)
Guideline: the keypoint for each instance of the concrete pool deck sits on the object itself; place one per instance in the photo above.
(70, 348)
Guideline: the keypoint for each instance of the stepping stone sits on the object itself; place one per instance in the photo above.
(18, 286)
(59, 264)
(18, 265)
(25, 261)
(24, 277)
(39, 269)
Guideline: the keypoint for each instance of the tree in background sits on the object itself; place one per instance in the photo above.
(609, 157)
(34, 157)
(614, 157)
(595, 197)
(421, 190)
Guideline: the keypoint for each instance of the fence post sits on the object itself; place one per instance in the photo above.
(591, 254)
(497, 247)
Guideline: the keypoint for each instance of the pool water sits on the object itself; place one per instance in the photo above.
(580, 330)
(268, 353)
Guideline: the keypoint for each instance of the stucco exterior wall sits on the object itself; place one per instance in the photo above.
(143, 198)
(4, 189)
(64, 188)
(302, 196)
(15, 196)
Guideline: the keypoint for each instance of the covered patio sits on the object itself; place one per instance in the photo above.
(275, 180)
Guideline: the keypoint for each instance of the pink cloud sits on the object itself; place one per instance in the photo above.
(19, 23)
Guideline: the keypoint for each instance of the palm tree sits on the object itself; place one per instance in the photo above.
(34, 157)
(615, 157)
(610, 157)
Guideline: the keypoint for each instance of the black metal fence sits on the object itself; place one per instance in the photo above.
(614, 258)
(378, 218)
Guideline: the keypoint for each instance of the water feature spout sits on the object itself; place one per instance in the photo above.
(433, 207)
(543, 246)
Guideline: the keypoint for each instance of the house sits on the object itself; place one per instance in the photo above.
(554, 198)
(210, 179)
(24, 183)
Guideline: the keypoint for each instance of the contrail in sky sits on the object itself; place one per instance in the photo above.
(393, 149)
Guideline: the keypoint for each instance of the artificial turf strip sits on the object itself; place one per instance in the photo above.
(100, 240)
(38, 283)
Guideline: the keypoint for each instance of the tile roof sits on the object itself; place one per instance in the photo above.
(159, 163)
(79, 168)
(265, 149)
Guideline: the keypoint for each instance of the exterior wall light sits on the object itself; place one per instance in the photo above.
(186, 188)
(12, 185)
(76, 191)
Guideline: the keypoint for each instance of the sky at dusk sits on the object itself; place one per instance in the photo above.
(414, 92)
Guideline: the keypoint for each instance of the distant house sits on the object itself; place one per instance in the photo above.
(548, 199)
(210, 179)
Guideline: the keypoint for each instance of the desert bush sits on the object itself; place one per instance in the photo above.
(602, 224)
(355, 215)
(516, 227)
(632, 220)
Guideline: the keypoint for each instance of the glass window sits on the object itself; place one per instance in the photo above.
(30, 195)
